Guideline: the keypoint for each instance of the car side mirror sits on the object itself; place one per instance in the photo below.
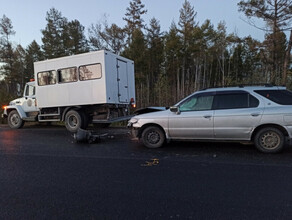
(175, 109)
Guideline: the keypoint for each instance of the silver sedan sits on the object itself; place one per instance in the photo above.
(258, 114)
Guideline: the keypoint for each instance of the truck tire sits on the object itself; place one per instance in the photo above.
(73, 121)
(85, 119)
(153, 137)
(269, 140)
(14, 120)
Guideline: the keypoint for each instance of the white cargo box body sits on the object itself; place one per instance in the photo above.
(115, 83)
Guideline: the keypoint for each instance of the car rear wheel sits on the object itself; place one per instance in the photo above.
(269, 140)
(14, 120)
(153, 137)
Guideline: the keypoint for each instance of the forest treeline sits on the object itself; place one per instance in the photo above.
(168, 64)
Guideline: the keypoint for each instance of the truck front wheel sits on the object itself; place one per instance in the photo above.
(14, 120)
(73, 121)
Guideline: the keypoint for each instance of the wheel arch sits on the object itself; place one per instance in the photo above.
(281, 128)
(19, 110)
(67, 109)
(8, 110)
(148, 125)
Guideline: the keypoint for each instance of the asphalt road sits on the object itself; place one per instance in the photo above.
(45, 174)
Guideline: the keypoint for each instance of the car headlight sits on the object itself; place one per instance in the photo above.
(132, 121)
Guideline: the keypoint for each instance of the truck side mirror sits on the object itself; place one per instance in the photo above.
(175, 109)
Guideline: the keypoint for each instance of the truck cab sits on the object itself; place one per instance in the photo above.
(22, 109)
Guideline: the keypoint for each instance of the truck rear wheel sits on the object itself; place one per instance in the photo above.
(73, 121)
(14, 120)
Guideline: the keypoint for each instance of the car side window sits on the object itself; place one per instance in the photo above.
(282, 97)
(197, 103)
(235, 100)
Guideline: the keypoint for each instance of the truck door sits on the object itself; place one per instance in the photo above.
(29, 104)
(122, 81)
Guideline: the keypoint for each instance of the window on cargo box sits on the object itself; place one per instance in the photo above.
(88, 72)
(67, 75)
(47, 78)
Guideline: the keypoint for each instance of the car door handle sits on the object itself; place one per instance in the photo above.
(207, 116)
(255, 114)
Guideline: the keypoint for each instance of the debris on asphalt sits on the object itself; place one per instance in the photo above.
(87, 136)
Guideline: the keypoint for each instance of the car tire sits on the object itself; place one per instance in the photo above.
(153, 137)
(14, 120)
(269, 140)
(73, 121)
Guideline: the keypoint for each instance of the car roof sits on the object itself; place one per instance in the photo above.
(244, 88)
(235, 88)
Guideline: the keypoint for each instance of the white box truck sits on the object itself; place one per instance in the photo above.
(95, 87)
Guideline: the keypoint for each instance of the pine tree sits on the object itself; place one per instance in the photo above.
(133, 17)
(173, 54)
(7, 56)
(76, 41)
(154, 57)
(6, 49)
(186, 24)
(19, 66)
(54, 37)
(33, 54)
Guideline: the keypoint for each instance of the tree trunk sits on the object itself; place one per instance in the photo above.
(287, 59)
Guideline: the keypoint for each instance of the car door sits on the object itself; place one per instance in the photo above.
(194, 120)
(236, 113)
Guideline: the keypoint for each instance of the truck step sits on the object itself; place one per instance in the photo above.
(49, 117)
(46, 120)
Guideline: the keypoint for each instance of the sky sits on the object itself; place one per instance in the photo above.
(28, 17)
